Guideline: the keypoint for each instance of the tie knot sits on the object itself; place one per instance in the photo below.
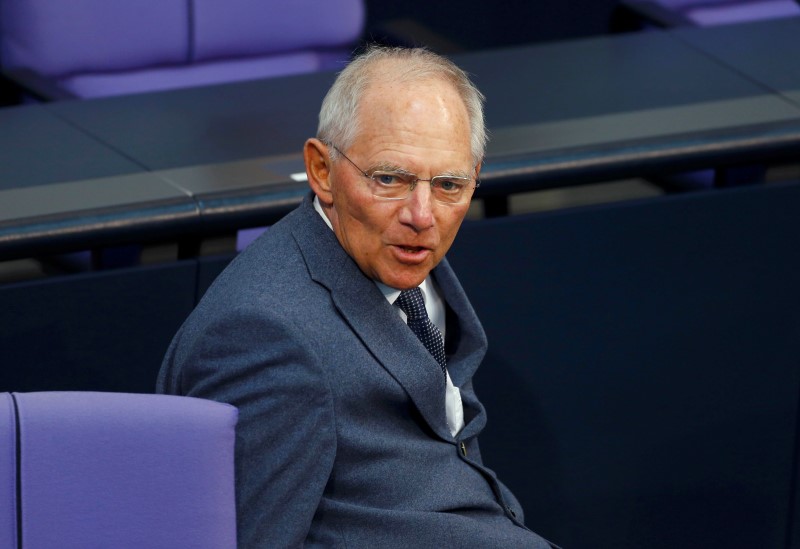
(412, 304)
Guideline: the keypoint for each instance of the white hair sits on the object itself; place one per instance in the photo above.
(338, 123)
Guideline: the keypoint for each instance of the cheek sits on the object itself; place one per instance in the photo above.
(364, 226)
(376, 217)
(450, 223)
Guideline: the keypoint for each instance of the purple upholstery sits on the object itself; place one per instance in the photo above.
(236, 28)
(60, 38)
(705, 13)
(166, 78)
(95, 48)
(245, 237)
(739, 12)
(8, 466)
(125, 471)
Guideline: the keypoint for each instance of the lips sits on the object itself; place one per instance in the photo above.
(411, 254)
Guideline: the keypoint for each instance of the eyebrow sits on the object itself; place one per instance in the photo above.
(454, 174)
(385, 167)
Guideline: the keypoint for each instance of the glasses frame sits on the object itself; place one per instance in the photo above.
(414, 180)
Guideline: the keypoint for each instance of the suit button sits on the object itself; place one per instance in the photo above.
(463, 448)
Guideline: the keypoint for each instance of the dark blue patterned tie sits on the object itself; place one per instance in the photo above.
(412, 304)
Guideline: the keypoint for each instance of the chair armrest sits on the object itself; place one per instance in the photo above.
(655, 13)
(31, 84)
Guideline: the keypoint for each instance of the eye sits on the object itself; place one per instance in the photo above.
(388, 179)
(450, 185)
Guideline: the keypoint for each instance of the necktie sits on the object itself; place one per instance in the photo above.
(412, 304)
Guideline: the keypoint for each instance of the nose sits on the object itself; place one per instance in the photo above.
(417, 209)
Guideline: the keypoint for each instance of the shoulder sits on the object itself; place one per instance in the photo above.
(269, 266)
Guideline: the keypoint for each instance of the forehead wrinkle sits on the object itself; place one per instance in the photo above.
(403, 113)
(415, 135)
(405, 146)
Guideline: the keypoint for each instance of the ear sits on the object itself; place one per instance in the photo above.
(318, 169)
(478, 169)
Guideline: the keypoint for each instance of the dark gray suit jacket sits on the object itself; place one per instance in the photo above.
(342, 439)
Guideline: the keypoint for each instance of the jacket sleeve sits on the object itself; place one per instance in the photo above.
(285, 443)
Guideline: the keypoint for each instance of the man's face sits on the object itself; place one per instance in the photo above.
(423, 129)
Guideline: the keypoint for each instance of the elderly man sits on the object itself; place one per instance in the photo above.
(345, 339)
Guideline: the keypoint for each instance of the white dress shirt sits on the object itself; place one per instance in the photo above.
(434, 305)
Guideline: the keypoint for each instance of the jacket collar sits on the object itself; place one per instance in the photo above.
(381, 329)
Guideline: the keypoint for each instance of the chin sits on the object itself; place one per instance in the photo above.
(405, 282)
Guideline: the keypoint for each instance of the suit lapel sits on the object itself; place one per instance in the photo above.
(468, 339)
(372, 318)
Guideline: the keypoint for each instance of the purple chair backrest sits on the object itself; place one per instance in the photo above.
(8, 472)
(718, 12)
(56, 38)
(59, 38)
(239, 28)
(118, 470)
(706, 15)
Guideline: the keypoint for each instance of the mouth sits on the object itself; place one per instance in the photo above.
(411, 254)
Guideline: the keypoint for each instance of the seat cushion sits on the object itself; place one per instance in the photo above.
(705, 15)
(167, 78)
(126, 470)
(8, 472)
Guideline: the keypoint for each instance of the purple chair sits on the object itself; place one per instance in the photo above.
(95, 48)
(82, 469)
(707, 13)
